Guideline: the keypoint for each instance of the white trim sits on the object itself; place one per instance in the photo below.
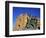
(11, 32)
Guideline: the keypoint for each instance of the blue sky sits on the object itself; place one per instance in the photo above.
(18, 10)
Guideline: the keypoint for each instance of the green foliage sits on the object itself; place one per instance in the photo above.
(31, 23)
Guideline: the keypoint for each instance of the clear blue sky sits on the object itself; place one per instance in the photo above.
(18, 10)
